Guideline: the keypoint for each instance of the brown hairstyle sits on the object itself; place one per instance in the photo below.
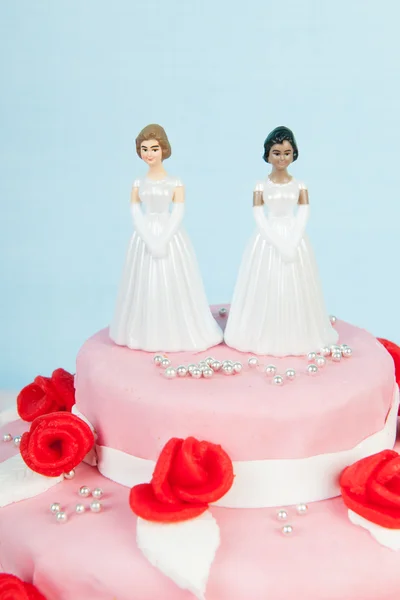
(154, 132)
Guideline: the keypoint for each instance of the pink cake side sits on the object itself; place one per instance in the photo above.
(95, 556)
(135, 409)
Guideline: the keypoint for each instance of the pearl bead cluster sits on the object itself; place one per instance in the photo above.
(95, 506)
(283, 515)
(316, 360)
(205, 368)
(7, 437)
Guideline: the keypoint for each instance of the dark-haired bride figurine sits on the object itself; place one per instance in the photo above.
(278, 306)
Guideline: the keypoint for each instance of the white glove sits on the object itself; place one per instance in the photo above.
(141, 227)
(283, 246)
(297, 233)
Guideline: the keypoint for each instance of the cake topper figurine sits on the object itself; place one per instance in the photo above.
(161, 304)
(278, 306)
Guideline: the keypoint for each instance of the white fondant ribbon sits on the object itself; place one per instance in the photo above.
(269, 482)
(19, 482)
(183, 551)
(390, 538)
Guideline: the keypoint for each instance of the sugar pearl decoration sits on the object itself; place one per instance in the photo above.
(253, 362)
(237, 367)
(335, 348)
(227, 363)
(95, 506)
(332, 319)
(290, 374)
(270, 370)
(70, 474)
(196, 373)
(55, 508)
(325, 351)
(158, 360)
(84, 491)
(97, 493)
(80, 509)
(312, 370)
(202, 365)
(320, 361)
(7, 437)
(181, 371)
(170, 373)
(311, 356)
(191, 367)
(216, 365)
(17, 440)
(165, 363)
(222, 312)
(347, 352)
(278, 380)
(208, 373)
(209, 360)
(287, 530)
(301, 509)
(227, 369)
(336, 356)
(282, 515)
(61, 517)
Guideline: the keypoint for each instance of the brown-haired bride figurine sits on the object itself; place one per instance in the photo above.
(161, 304)
(278, 306)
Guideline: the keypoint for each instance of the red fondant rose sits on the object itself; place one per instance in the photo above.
(46, 395)
(56, 443)
(371, 488)
(188, 476)
(12, 588)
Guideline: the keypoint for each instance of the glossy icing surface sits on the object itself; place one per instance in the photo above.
(135, 409)
(95, 556)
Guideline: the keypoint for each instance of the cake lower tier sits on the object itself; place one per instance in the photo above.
(95, 556)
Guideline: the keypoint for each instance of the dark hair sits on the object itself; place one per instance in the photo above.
(277, 136)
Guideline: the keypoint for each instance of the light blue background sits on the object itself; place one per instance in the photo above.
(80, 78)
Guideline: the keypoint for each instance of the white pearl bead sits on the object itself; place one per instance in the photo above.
(208, 373)
(335, 348)
(17, 440)
(191, 367)
(170, 373)
(311, 356)
(216, 365)
(290, 374)
(227, 369)
(196, 373)
(70, 474)
(312, 369)
(320, 361)
(209, 360)
(325, 351)
(158, 360)
(55, 508)
(84, 491)
(253, 362)
(336, 356)
(282, 515)
(202, 365)
(287, 530)
(347, 352)
(332, 319)
(278, 380)
(270, 370)
(61, 517)
(7, 437)
(222, 312)
(227, 363)
(97, 493)
(95, 506)
(165, 363)
(181, 371)
(237, 367)
(301, 509)
(80, 509)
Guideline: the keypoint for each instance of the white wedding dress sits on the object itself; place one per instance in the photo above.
(278, 306)
(161, 304)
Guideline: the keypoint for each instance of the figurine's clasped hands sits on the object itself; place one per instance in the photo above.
(158, 248)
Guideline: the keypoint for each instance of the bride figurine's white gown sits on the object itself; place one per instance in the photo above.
(278, 306)
(161, 303)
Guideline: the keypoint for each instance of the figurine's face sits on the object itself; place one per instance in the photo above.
(281, 155)
(151, 153)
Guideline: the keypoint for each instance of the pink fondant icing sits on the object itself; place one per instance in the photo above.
(95, 557)
(135, 409)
